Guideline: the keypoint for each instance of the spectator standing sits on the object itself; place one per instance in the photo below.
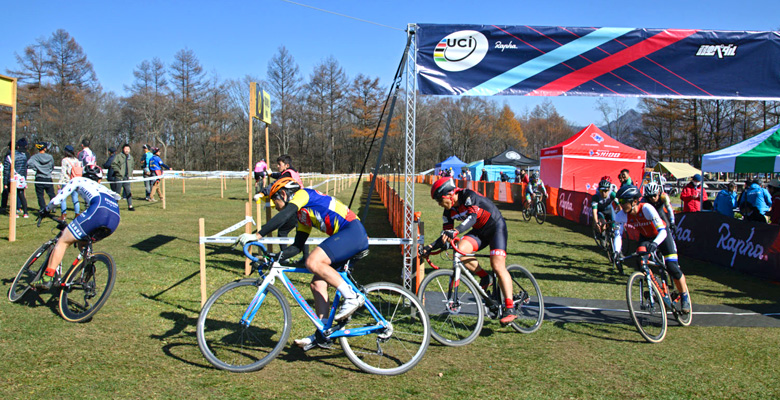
(504, 177)
(691, 195)
(261, 170)
(71, 168)
(123, 170)
(726, 200)
(524, 177)
(6, 177)
(43, 165)
(484, 176)
(155, 167)
(110, 170)
(147, 173)
(284, 164)
(774, 190)
(755, 202)
(20, 174)
(467, 175)
(86, 156)
(625, 178)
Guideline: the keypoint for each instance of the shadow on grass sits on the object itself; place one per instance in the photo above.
(599, 330)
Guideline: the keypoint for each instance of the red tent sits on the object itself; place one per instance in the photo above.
(579, 162)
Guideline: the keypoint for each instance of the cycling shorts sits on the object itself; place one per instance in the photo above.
(350, 240)
(669, 250)
(496, 238)
(99, 221)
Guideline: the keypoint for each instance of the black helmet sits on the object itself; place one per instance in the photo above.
(628, 192)
(605, 183)
(93, 172)
(442, 187)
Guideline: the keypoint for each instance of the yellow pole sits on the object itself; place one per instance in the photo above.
(221, 186)
(183, 189)
(202, 246)
(12, 186)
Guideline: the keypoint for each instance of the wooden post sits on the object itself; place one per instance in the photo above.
(162, 182)
(12, 187)
(202, 246)
(327, 184)
(221, 186)
(183, 189)
(248, 229)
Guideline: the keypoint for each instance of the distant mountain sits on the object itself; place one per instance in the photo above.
(625, 128)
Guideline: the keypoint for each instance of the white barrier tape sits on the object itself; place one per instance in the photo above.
(311, 240)
(237, 225)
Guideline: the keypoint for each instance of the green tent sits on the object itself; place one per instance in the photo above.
(761, 153)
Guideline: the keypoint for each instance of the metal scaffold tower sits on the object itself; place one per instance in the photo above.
(409, 170)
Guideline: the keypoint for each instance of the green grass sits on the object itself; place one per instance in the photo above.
(142, 343)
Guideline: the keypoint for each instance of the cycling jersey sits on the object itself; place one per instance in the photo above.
(651, 228)
(664, 208)
(102, 209)
(603, 206)
(535, 187)
(479, 213)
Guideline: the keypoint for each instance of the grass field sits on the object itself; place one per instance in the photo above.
(142, 343)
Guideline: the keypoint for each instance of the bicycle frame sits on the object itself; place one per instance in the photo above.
(460, 270)
(646, 264)
(277, 271)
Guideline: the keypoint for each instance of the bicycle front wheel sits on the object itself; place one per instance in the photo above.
(527, 212)
(402, 345)
(682, 318)
(599, 238)
(87, 287)
(646, 307)
(541, 212)
(455, 320)
(30, 272)
(231, 345)
(528, 300)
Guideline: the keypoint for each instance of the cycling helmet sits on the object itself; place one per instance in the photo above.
(442, 187)
(93, 172)
(285, 184)
(652, 189)
(628, 192)
(605, 183)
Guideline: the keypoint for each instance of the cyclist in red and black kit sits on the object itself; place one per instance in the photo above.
(488, 228)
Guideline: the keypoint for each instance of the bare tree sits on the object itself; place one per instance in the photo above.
(285, 85)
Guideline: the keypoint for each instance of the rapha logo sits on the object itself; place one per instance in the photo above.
(565, 202)
(460, 50)
(681, 234)
(739, 246)
(503, 47)
(717, 50)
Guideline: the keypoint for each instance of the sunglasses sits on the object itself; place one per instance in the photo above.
(624, 201)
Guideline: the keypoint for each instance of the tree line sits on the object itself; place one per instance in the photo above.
(325, 120)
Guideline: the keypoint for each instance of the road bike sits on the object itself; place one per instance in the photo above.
(536, 209)
(245, 324)
(86, 285)
(649, 297)
(457, 304)
(604, 241)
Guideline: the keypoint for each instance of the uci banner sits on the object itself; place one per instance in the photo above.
(486, 60)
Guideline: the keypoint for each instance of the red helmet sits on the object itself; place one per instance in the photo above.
(442, 187)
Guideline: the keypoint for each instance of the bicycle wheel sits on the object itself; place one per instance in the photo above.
(403, 345)
(528, 299)
(30, 272)
(527, 213)
(230, 345)
(541, 212)
(87, 287)
(646, 308)
(599, 238)
(682, 318)
(454, 321)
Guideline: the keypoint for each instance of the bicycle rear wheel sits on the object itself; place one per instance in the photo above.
(529, 303)
(527, 212)
(541, 212)
(30, 272)
(232, 346)
(682, 318)
(455, 321)
(87, 287)
(402, 345)
(646, 307)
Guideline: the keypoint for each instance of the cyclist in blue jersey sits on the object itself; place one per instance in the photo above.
(535, 185)
(347, 238)
(488, 228)
(99, 220)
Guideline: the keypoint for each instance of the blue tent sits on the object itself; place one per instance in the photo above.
(453, 162)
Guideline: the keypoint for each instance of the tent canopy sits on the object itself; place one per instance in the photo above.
(513, 158)
(761, 153)
(579, 162)
(679, 170)
(452, 162)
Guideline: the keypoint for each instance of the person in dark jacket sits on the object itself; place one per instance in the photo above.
(43, 165)
(20, 167)
(110, 170)
(6, 178)
(123, 171)
(484, 176)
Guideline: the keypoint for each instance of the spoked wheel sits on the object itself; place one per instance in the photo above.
(229, 344)
(541, 212)
(87, 287)
(613, 258)
(527, 213)
(599, 238)
(30, 272)
(402, 344)
(455, 321)
(646, 308)
(682, 318)
(529, 303)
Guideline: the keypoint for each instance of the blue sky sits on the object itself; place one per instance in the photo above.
(234, 38)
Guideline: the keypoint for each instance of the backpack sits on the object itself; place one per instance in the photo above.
(21, 182)
(76, 169)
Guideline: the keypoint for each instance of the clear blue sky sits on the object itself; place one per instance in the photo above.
(233, 38)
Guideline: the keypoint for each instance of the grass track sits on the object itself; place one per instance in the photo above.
(142, 343)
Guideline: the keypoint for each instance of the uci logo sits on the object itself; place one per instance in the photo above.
(460, 50)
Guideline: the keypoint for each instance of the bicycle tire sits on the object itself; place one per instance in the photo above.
(85, 282)
(230, 346)
(682, 318)
(650, 320)
(527, 213)
(408, 340)
(541, 213)
(30, 272)
(528, 299)
(599, 238)
(452, 327)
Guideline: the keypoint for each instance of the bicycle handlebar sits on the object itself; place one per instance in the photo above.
(60, 224)
(249, 255)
